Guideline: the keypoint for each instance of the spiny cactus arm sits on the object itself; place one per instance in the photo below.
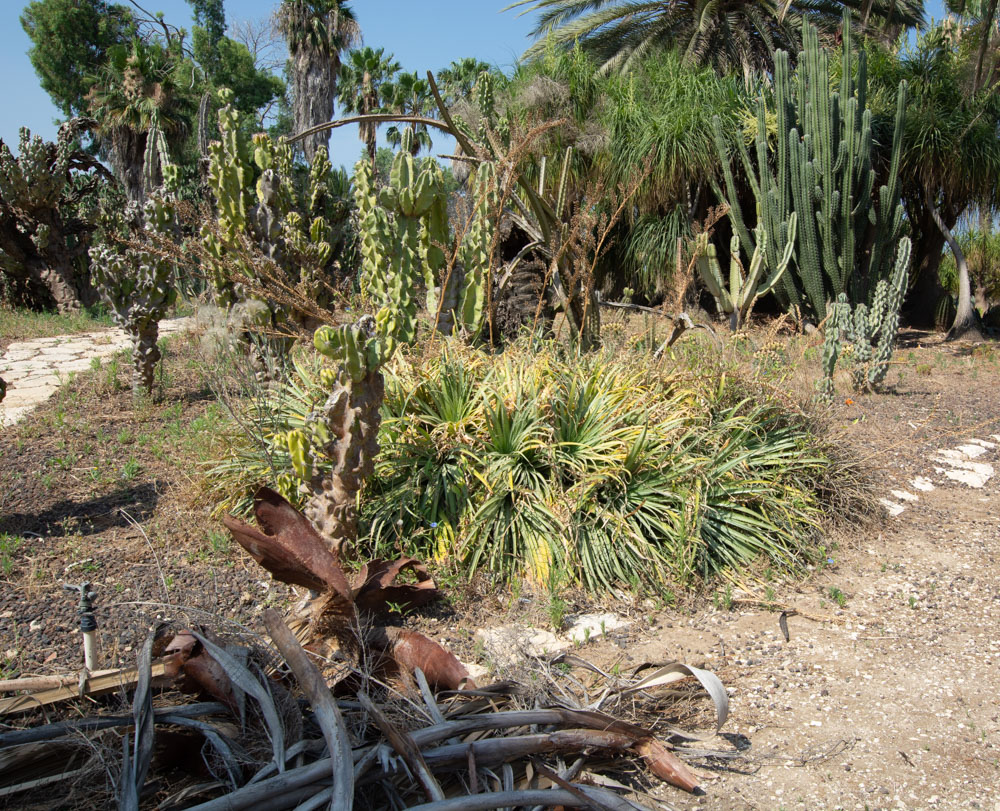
(786, 257)
(888, 329)
(837, 321)
(711, 272)
(476, 252)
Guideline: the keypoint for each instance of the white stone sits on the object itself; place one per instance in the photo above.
(903, 495)
(982, 468)
(508, 645)
(972, 451)
(922, 484)
(988, 445)
(969, 478)
(893, 508)
(591, 626)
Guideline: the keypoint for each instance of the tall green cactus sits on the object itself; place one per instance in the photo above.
(871, 330)
(743, 291)
(820, 168)
(137, 282)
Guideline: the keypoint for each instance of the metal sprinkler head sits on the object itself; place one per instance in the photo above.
(86, 607)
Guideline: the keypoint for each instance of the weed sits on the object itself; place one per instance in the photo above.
(557, 610)
(218, 542)
(130, 469)
(9, 544)
(837, 596)
(912, 601)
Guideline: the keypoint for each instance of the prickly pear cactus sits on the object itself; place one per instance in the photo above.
(137, 282)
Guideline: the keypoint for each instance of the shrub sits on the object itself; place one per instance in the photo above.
(602, 470)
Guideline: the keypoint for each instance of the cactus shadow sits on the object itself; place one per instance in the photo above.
(86, 518)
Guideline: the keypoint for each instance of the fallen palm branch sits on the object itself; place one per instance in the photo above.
(368, 728)
(278, 754)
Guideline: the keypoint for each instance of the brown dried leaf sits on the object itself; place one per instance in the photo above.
(411, 650)
(666, 765)
(287, 545)
(375, 586)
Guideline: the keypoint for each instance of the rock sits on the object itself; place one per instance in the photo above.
(507, 646)
(591, 626)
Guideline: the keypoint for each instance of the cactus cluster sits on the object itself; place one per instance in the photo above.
(870, 331)
(42, 238)
(820, 167)
(137, 281)
(738, 298)
(299, 225)
(406, 238)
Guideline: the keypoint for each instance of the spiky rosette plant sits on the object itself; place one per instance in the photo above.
(738, 298)
(137, 282)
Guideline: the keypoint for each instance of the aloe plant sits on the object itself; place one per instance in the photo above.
(738, 298)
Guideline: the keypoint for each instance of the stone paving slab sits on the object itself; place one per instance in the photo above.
(35, 369)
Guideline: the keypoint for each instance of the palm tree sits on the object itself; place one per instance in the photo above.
(317, 32)
(730, 35)
(458, 80)
(950, 161)
(361, 81)
(408, 94)
(140, 108)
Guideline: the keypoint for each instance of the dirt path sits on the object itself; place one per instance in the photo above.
(35, 369)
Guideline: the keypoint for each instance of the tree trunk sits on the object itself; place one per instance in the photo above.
(926, 291)
(965, 325)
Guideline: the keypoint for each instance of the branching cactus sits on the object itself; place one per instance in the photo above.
(257, 197)
(738, 299)
(871, 331)
(137, 282)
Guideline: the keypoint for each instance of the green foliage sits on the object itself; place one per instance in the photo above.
(821, 167)
(603, 470)
(408, 94)
(659, 115)
(982, 252)
(738, 38)
(70, 40)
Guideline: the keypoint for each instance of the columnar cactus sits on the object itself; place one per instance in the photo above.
(743, 290)
(137, 282)
(871, 331)
(821, 168)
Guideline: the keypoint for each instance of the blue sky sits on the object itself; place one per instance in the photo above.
(423, 36)
(426, 35)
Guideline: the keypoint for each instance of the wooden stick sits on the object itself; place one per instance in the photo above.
(100, 683)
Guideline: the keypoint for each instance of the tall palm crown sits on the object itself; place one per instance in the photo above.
(134, 100)
(317, 32)
(408, 94)
(729, 35)
(361, 79)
